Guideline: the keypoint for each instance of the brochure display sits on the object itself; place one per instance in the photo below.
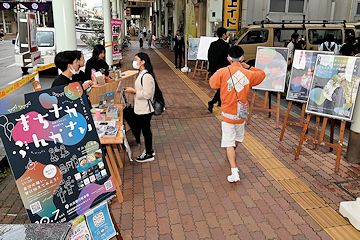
(54, 153)
(193, 48)
(334, 87)
(303, 68)
(273, 61)
(100, 223)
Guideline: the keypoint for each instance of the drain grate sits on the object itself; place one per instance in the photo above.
(351, 187)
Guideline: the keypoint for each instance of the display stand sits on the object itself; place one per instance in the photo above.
(300, 123)
(320, 141)
(264, 109)
(201, 68)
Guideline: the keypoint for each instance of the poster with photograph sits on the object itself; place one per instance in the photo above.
(193, 48)
(115, 37)
(55, 153)
(100, 223)
(301, 74)
(334, 87)
(273, 61)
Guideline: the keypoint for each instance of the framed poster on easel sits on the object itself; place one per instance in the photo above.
(273, 61)
(201, 64)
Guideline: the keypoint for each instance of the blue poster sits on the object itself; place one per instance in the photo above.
(99, 222)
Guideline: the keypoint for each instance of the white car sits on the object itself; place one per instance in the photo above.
(46, 44)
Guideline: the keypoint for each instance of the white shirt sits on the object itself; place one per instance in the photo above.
(291, 47)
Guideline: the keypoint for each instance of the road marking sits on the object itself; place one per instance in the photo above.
(11, 65)
(12, 82)
(5, 58)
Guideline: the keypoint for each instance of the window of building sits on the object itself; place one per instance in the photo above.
(358, 9)
(287, 6)
(255, 36)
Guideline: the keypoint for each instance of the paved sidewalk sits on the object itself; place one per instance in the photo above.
(184, 193)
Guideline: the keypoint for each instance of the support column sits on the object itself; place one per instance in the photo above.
(150, 23)
(114, 9)
(64, 23)
(176, 16)
(166, 18)
(118, 9)
(107, 31)
(3, 20)
(208, 23)
(44, 22)
(353, 150)
(38, 17)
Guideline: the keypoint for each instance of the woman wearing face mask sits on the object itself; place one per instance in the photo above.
(97, 61)
(144, 93)
(80, 75)
(69, 65)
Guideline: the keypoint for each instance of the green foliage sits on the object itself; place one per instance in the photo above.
(98, 35)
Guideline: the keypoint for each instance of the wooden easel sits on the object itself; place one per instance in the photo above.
(338, 146)
(300, 123)
(264, 109)
(201, 69)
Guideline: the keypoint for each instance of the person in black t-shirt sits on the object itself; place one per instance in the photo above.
(97, 62)
(67, 62)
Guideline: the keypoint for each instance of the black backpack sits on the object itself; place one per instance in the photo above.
(158, 102)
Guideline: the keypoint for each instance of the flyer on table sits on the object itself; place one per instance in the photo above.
(100, 223)
(334, 87)
(54, 153)
(273, 61)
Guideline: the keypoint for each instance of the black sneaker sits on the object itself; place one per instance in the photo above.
(145, 158)
(152, 152)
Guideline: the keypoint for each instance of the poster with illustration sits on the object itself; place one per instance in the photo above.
(79, 229)
(100, 223)
(301, 74)
(334, 87)
(54, 153)
(273, 61)
(193, 48)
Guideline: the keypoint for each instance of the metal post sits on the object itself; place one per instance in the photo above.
(166, 18)
(158, 5)
(3, 20)
(175, 16)
(208, 23)
(43, 17)
(38, 17)
(64, 23)
(107, 31)
(150, 23)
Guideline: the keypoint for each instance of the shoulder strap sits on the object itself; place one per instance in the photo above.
(233, 84)
(333, 47)
(149, 101)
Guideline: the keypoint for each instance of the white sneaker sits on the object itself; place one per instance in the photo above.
(233, 178)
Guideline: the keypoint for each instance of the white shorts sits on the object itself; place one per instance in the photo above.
(232, 133)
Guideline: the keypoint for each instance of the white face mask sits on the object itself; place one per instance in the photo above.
(135, 65)
(73, 71)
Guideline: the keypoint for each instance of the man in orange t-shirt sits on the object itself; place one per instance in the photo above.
(234, 82)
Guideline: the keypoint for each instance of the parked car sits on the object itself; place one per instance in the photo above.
(46, 45)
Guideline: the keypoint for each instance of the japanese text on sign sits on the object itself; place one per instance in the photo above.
(231, 15)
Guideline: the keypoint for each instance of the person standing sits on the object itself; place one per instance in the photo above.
(234, 83)
(140, 38)
(149, 39)
(217, 56)
(178, 48)
(291, 47)
(144, 32)
(329, 44)
(143, 93)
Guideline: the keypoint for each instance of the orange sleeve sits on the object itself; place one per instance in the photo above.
(257, 76)
(215, 80)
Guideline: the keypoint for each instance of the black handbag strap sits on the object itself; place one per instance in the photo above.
(149, 101)
(233, 84)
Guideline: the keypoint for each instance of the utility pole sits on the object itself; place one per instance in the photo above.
(107, 31)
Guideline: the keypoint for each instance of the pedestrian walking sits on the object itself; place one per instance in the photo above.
(178, 48)
(234, 82)
(141, 39)
(144, 93)
(149, 39)
(217, 57)
(329, 44)
(144, 32)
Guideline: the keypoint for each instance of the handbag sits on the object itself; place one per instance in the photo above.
(130, 117)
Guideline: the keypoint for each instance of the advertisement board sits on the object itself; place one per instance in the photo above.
(301, 74)
(115, 37)
(55, 153)
(193, 48)
(334, 87)
(32, 33)
(273, 61)
(203, 48)
(231, 15)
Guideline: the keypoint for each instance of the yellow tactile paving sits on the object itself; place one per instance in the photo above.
(331, 221)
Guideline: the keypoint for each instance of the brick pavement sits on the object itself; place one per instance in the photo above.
(184, 193)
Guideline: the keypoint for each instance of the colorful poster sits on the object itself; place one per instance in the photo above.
(193, 48)
(115, 36)
(273, 61)
(54, 153)
(301, 74)
(190, 20)
(204, 45)
(334, 87)
(100, 223)
(79, 230)
(231, 15)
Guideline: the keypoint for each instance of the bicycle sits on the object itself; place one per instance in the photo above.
(126, 43)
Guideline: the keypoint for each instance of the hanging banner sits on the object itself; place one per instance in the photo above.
(55, 153)
(273, 61)
(302, 71)
(334, 87)
(116, 34)
(231, 15)
(100, 223)
(190, 21)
